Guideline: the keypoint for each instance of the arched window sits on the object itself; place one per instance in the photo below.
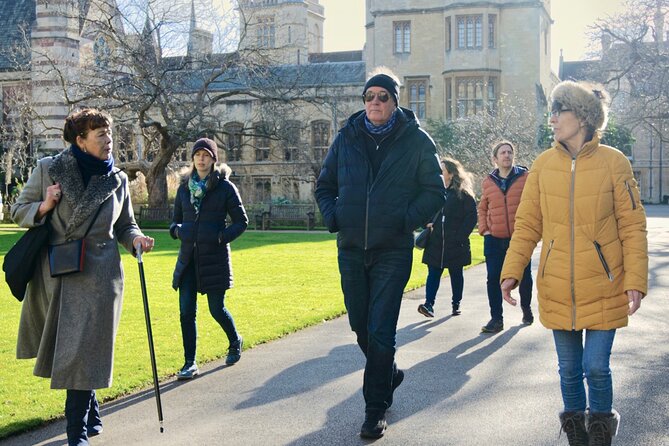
(233, 141)
(320, 138)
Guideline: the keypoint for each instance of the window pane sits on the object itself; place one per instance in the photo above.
(491, 30)
(407, 38)
(479, 32)
(461, 33)
(398, 39)
(470, 32)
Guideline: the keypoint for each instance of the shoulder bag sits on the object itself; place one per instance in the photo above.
(423, 236)
(68, 257)
(20, 261)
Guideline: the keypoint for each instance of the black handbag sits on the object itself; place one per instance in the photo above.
(68, 257)
(21, 260)
(423, 236)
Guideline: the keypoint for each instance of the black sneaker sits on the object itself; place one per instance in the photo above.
(456, 310)
(528, 318)
(494, 326)
(375, 424)
(426, 310)
(397, 380)
(235, 352)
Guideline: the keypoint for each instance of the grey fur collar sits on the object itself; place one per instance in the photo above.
(83, 201)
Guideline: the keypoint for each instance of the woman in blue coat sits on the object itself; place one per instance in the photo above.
(203, 201)
(448, 245)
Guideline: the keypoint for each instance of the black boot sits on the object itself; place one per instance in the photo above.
(374, 425)
(602, 427)
(573, 424)
(94, 424)
(77, 405)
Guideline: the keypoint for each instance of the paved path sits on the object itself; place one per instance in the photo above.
(461, 387)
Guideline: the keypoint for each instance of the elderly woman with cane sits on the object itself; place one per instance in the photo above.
(69, 319)
(582, 200)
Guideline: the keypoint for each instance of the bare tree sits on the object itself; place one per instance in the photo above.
(133, 64)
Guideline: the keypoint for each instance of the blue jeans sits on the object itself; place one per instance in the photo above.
(373, 283)
(434, 279)
(188, 312)
(592, 361)
(494, 250)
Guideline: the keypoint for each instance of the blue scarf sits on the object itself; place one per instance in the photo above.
(90, 165)
(197, 188)
(383, 128)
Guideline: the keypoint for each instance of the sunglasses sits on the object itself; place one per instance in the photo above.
(370, 95)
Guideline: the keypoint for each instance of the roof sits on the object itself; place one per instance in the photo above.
(337, 56)
(284, 76)
(580, 70)
(16, 18)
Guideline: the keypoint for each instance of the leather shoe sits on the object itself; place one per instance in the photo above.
(375, 424)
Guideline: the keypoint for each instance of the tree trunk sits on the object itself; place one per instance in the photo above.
(156, 184)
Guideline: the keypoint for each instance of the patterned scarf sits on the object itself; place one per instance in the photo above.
(383, 128)
(197, 189)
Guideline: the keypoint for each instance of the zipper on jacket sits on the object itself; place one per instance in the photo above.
(369, 189)
(548, 254)
(572, 242)
(629, 191)
(196, 227)
(607, 270)
(443, 237)
(506, 214)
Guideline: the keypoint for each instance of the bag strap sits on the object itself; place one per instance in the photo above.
(94, 218)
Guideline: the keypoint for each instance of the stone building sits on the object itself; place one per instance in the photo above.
(455, 58)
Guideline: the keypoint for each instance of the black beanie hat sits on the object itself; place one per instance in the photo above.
(205, 144)
(387, 82)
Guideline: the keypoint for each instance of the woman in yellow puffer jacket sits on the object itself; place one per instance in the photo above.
(582, 201)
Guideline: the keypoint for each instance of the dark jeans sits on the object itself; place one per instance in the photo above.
(494, 250)
(434, 279)
(373, 283)
(81, 410)
(188, 311)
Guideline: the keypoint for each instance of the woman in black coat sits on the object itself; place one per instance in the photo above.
(448, 245)
(203, 202)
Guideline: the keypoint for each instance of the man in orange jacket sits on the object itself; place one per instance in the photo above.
(500, 198)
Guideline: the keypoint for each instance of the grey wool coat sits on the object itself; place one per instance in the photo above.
(69, 323)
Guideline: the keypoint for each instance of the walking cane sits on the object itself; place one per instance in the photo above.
(149, 333)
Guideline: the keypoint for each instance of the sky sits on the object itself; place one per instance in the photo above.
(344, 27)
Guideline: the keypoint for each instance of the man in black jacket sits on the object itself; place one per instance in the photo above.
(380, 180)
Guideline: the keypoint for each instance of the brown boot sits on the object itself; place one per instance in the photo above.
(602, 427)
(573, 424)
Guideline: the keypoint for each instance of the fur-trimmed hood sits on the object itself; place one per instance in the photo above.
(221, 170)
(588, 101)
(83, 200)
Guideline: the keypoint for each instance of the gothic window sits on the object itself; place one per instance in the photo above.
(101, 52)
(492, 19)
(448, 34)
(418, 97)
(265, 32)
(291, 140)
(233, 141)
(467, 96)
(262, 141)
(320, 139)
(470, 32)
(262, 188)
(402, 37)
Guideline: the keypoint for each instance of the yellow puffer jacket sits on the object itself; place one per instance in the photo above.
(588, 213)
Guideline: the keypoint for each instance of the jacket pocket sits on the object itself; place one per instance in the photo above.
(548, 254)
(629, 191)
(598, 248)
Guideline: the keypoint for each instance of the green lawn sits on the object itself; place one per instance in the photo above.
(284, 282)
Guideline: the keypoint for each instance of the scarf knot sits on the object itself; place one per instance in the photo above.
(198, 189)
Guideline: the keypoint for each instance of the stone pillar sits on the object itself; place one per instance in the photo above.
(54, 63)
